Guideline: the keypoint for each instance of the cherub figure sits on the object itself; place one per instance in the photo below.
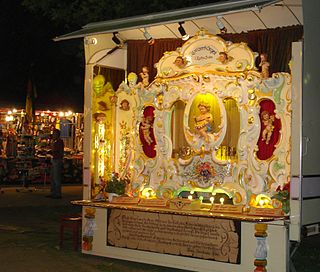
(180, 62)
(267, 120)
(146, 125)
(125, 105)
(132, 79)
(203, 122)
(224, 58)
(159, 100)
(98, 84)
(264, 64)
(145, 76)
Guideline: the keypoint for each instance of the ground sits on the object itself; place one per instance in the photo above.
(29, 238)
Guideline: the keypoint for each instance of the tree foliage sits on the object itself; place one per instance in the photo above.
(58, 68)
(72, 14)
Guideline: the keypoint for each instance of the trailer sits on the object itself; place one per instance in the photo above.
(200, 153)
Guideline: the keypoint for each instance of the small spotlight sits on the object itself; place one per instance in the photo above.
(148, 37)
(115, 39)
(182, 31)
(221, 25)
(92, 41)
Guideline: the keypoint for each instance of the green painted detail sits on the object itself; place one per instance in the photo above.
(277, 93)
(277, 166)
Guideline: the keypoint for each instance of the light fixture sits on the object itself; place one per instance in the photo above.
(148, 37)
(221, 25)
(182, 31)
(115, 39)
(92, 41)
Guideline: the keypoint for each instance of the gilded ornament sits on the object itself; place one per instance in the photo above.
(206, 78)
(251, 120)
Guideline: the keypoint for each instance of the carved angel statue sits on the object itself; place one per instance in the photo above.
(267, 120)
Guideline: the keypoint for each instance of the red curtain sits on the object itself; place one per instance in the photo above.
(275, 42)
(266, 149)
(140, 54)
(113, 75)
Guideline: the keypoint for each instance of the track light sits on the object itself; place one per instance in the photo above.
(148, 37)
(92, 41)
(115, 39)
(182, 31)
(221, 25)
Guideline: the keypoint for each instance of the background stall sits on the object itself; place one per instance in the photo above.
(25, 146)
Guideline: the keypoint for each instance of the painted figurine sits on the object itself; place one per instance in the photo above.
(204, 121)
(125, 105)
(264, 64)
(145, 76)
(180, 62)
(224, 58)
(267, 120)
(146, 125)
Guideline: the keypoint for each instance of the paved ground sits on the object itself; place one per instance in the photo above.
(29, 236)
(29, 229)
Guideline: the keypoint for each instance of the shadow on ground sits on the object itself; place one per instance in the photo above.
(29, 238)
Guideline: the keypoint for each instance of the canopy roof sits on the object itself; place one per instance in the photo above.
(237, 16)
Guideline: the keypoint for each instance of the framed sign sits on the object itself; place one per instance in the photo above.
(192, 236)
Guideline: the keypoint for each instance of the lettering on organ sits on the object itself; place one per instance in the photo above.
(200, 237)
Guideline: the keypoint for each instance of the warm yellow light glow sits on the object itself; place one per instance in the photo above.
(148, 193)
(61, 114)
(68, 113)
(190, 197)
(14, 110)
(261, 202)
(9, 118)
(9, 112)
(100, 146)
(96, 141)
(212, 199)
(221, 200)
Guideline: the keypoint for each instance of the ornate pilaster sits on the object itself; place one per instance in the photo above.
(261, 234)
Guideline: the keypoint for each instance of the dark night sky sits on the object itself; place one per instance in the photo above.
(57, 68)
(29, 52)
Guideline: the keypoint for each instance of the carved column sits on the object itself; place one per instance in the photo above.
(261, 234)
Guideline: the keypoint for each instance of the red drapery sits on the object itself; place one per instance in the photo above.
(275, 42)
(140, 54)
